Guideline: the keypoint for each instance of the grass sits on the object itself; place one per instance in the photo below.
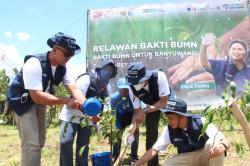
(10, 147)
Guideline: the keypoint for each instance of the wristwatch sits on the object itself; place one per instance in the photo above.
(225, 152)
(145, 110)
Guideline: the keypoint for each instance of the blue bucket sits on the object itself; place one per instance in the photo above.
(92, 106)
(101, 159)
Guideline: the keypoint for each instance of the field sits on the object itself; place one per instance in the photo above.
(10, 147)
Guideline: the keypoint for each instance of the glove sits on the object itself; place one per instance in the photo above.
(128, 139)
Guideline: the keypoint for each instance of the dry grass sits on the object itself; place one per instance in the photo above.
(10, 147)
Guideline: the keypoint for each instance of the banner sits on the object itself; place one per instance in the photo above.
(169, 37)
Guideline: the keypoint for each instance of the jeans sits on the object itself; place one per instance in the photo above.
(66, 144)
(152, 123)
(134, 146)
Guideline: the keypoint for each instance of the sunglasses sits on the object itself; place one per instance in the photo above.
(65, 53)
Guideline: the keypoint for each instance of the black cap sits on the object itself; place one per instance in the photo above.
(104, 63)
(137, 73)
(65, 41)
(176, 106)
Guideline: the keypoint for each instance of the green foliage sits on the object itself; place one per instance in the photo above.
(60, 90)
(81, 150)
(52, 116)
(244, 101)
(52, 113)
(240, 148)
(108, 126)
(223, 114)
(4, 82)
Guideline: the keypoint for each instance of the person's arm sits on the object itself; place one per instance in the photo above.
(184, 69)
(161, 144)
(146, 157)
(45, 98)
(32, 78)
(138, 116)
(76, 88)
(203, 56)
(164, 91)
(220, 143)
(159, 104)
(206, 41)
(218, 149)
(77, 95)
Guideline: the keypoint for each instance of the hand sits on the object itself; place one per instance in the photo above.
(149, 109)
(183, 70)
(139, 116)
(203, 77)
(128, 139)
(208, 39)
(95, 119)
(73, 103)
(215, 151)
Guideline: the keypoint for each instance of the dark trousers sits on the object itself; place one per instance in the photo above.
(152, 123)
(134, 146)
(66, 144)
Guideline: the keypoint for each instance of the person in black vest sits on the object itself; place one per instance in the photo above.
(152, 88)
(91, 84)
(184, 132)
(31, 90)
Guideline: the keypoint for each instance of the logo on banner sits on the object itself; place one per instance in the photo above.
(153, 11)
(190, 9)
(98, 14)
(233, 6)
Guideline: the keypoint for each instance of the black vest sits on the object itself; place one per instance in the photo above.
(94, 90)
(19, 98)
(151, 96)
(187, 141)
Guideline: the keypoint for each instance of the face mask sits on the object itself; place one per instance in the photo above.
(105, 76)
(139, 86)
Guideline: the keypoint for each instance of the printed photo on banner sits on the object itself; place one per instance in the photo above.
(200, 46)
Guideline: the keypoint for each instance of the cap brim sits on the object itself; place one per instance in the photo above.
(165, 110)
(51, 42)
(74, 51)
(123, 87)
(77, 50)
(146, 77)
(105, 63)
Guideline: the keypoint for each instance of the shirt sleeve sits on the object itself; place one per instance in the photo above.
(32, 74)
(163, 141)
(69, 78)
(163, 85)
(212, 131)
(83, 84)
